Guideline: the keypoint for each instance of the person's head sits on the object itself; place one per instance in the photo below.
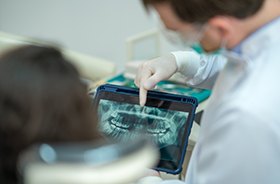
(41, 100)
(223, 20)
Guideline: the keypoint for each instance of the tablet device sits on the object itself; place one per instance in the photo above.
(166, 119)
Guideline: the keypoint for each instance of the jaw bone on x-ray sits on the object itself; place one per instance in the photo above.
(124, 122)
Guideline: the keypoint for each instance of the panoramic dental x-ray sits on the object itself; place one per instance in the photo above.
(124, 122)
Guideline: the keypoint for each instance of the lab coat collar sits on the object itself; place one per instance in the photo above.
(258, 41)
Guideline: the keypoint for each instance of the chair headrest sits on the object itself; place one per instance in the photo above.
(87, 163)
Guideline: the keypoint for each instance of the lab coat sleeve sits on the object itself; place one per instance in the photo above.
(200, 70)
(239, 147)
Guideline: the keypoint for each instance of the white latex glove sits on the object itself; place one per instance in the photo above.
(153, 71)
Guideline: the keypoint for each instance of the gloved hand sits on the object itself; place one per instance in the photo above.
(153, 71)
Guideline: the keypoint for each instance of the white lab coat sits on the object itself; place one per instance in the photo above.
(240, 131)
(239, 140)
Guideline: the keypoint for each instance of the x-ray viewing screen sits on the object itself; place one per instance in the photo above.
(166, 123)
(124, 122)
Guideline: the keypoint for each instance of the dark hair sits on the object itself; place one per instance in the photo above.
(201, 11)
(41, 100)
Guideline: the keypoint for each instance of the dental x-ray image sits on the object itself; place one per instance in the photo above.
(124, 122)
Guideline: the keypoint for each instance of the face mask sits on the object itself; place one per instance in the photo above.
(187, 39)
(192, 36)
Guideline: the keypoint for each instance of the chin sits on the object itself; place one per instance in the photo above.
(210, 48)
(211, 45)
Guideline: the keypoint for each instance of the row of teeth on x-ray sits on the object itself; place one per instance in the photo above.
(127, 119)
(125, 122)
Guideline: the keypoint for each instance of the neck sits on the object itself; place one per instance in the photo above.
(269, 11)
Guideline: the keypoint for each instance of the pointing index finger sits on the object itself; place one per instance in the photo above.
(143, 96)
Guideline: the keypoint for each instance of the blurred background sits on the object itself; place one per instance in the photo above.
(107, 29)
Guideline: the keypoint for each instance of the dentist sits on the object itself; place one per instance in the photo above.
(239, 139)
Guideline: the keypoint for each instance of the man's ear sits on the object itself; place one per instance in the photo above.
(224, 25)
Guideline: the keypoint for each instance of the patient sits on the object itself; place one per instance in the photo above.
(41, 100)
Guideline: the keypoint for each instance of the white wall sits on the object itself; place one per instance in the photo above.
(95, 27)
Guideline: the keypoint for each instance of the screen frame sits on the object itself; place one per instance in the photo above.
(172, 101)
